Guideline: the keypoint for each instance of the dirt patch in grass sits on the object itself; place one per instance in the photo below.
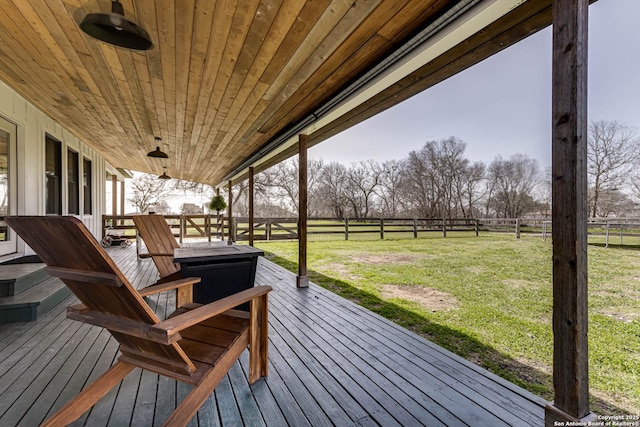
(432, 299)
(621, 314)
(341, 270)
(365, 258)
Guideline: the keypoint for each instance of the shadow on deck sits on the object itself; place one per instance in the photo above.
(331, 362)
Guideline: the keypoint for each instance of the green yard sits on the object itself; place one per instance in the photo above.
(488, 299)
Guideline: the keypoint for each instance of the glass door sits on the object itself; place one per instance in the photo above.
(7, 184)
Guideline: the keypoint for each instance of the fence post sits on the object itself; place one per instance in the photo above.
(517, 228)
(620, 233)
(381, 229)
(476, 225)
(346, 229)
(267, 230)
(444, 227)
(415, 228)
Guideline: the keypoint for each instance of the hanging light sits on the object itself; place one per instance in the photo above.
(114, 28)
(157, 153)
(164, 174)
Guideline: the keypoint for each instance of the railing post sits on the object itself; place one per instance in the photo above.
(183, 225)
(234, 229)
(381, 228)
(207, 226)
(346, 229)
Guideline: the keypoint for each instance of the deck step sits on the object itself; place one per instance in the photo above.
(33, 302)
(17, 278)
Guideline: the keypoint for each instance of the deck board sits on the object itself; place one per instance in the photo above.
(331, 362)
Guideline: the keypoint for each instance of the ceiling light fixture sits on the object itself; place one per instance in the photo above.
(114, 28)
(164, 174)
(157, 153)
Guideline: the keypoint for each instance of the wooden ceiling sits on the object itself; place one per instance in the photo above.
(225, 77)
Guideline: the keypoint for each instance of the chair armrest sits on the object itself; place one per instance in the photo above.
(152, 254)
(175, 284)
(167, 330)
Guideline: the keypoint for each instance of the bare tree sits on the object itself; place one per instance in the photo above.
(512, 185)
(612, 153)
(332, 184)
(147, 190)
(390, 188)
(362, 180)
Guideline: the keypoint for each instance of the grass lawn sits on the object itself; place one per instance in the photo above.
(489, 300)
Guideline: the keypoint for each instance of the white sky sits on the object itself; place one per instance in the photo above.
(503, 104)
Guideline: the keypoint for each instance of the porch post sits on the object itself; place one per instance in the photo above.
(251, 213)
(114, 195)
(229, 213)
(302, 280)
(569, 214)
(122, 195)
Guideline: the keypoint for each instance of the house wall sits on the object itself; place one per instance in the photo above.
(32, 126)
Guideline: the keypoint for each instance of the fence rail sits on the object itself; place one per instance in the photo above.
(218, 227)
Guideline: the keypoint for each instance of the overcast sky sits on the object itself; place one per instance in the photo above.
(503, 105)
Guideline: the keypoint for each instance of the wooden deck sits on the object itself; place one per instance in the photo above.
(331, 363)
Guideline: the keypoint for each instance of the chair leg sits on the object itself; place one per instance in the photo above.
(89, 396)
(194, 400)
(258, 339)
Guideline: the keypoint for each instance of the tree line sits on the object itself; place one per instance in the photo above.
(435, 181)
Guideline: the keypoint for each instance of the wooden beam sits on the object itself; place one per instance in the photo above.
(229, 213)
(114, 196)
(569, 214)
(302, 280)
(251, 212)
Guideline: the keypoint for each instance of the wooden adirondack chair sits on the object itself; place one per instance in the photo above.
(160, 242)
(195, 344)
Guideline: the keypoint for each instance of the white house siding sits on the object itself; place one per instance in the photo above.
(32, 125)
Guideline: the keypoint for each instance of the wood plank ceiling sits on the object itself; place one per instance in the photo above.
(224, 78)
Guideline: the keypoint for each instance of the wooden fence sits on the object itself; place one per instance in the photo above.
(268, 229)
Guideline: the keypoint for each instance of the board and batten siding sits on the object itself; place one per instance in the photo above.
(32, 126)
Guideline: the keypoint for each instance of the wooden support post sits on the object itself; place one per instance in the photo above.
(569, 215)
(114, 198)
(381, 229)
(415, 228)
(182, 230)
(229, 213)
(302, 280)
(122, 199)
(444, 227)
(251, 213)
(517, 228)
(477, 226)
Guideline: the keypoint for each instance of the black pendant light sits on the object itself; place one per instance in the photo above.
(157, 153)
(114, 28)
(164, 174)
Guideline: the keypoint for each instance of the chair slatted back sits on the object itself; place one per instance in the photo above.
(65, 244)
(159, 239)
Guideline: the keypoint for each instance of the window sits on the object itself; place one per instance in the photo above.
(73, 195)
(86, 186)
(53, 172)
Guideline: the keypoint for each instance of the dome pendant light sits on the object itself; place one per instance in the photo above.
(114, 28)
(157, 153)
(164, 174)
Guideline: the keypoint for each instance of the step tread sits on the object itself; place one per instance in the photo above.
(13, 272)
(36, 294)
